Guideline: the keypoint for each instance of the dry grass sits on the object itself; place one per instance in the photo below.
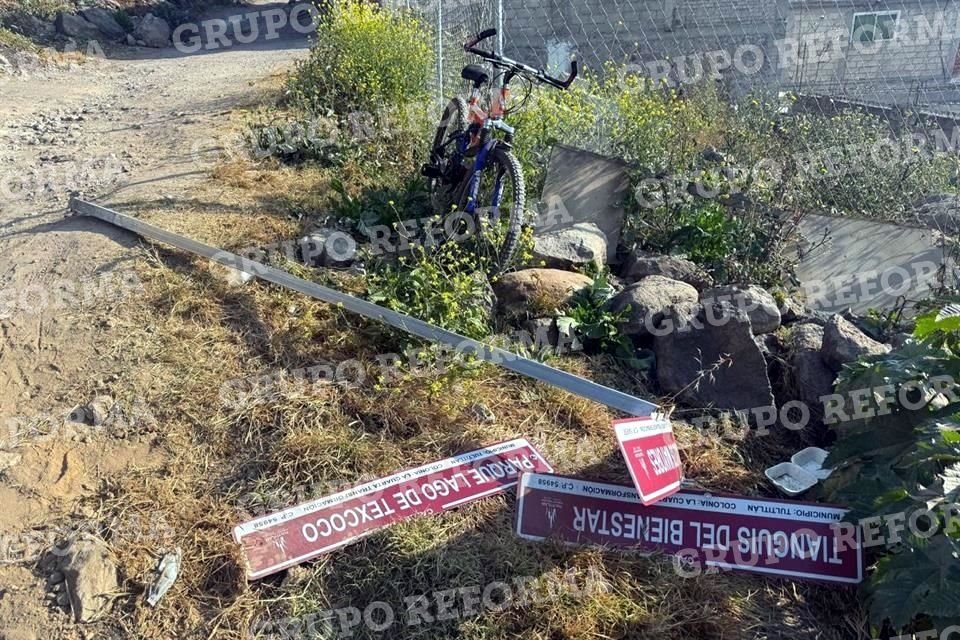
(191, 332)
(17, 42)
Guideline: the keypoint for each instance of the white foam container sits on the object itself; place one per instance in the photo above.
(811, 460)
(790, 478)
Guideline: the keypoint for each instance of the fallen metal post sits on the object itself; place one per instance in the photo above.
(537, 370)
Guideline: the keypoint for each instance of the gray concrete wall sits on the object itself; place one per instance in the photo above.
(640, 32)
(916, 66)
(806, 44)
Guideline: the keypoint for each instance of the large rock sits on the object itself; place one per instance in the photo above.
(810, 379)
(91, 579)
(640, 264)
(753, 300)
(105, 22)
(30, 25)
(153, 31)
(648, 300)
(792, 311)
(573, 246)
(76, 27)
(711, 359)
(806, 336)
(537, 292)
(771, 346)
(844, 343)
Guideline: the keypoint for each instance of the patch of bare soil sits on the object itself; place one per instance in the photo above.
(138, 130)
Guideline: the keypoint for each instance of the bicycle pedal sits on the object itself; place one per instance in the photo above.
(431, 171)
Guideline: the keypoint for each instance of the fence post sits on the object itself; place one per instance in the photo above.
(440, 53)
(500, 26)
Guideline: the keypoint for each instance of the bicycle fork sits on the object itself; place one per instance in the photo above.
(473, 187)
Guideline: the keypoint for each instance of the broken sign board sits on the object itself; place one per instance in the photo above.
(286, 538)
(651, 454)
(776, 537)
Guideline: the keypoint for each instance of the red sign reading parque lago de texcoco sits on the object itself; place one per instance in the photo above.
(286, 538)
(651, 454)
(795, 539)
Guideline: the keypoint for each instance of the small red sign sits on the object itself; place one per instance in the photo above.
(795, 539)
(652, 456)
(286, 538)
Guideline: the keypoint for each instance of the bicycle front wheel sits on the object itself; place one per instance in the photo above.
(496, 198)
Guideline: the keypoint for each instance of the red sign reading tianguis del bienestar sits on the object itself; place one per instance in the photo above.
(795, 539)
(651, 454)
(286, 538)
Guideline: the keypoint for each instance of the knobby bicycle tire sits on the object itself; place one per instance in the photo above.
(501, 158)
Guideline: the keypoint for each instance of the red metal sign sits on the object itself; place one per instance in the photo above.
(795, 539)
(286, 538)
(652, 457)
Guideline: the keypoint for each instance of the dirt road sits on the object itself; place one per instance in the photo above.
(132, 130)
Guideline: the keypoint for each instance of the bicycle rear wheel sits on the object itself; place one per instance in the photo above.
(442, 184)
(496, 197)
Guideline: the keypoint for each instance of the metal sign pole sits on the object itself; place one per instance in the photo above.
(518, 364)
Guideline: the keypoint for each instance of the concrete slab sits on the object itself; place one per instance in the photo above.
(583, 186)
(862, 264)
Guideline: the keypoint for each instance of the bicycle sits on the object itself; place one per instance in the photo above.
(473, 171)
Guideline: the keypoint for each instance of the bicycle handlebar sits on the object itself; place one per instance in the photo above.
(483, 35)
(470, 46)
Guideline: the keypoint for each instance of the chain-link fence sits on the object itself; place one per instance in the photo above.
(891, 52)
(851, 104)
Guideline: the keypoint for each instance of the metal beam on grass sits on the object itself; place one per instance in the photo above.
(537, 370)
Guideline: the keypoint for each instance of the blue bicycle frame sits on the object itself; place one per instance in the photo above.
(479, 164)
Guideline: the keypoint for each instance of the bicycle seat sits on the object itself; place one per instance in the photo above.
(475, 73)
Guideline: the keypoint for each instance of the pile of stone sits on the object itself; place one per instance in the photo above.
(736, 347)
(94, 24)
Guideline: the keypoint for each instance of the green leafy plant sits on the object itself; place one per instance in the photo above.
(903, 456)
(845, 163)
(885, 323)
(735, 246)
(391, 142)
(446, 287)
(941, 326)
(46, 9)
(298, 142)
(364, 57)
(16, 41)
(382, 205)
(591, 320)
(618, 114)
